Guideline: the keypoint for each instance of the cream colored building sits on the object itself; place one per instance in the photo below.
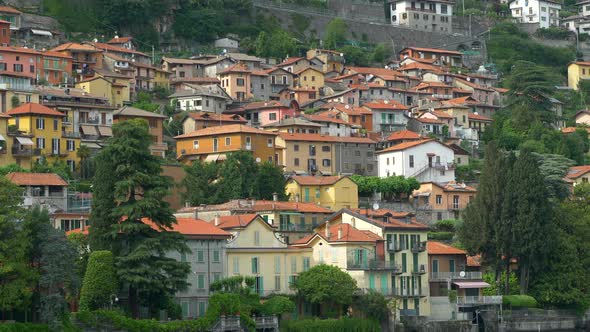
(577, 71)
(332, 192)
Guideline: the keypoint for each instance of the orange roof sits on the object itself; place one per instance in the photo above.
(343, 233)
(36, 179)
(6, 9)
(119, 40)
(439, 248)
(74, 47)
(264, 104)
(403, 135)
(433, 50)
(385, 105)
(473, 261)
(424, 85)
(316, 180)
(33, 108)
(372, 71)
(460, 100)
(428, 120)
(322, 118)
(570, 130)
(454, 186)
(108, 47)
(264, 205)
(419, 65)
(477, 117)
(306, 69)
(577, 171)
(289, 61)
(406, 145)
(380, 213)
(4, 116)
(216, 117)
(236, 221)
(17, 49)
(237, 68)
(352, 110)
(474, 85)
(389, 223)
(322, 138)
(441, 114)
(227, 129)
(56, 55)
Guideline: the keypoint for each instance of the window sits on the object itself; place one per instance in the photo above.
(216, 256)
(227, 141)
(201, 281)
(32, 70)
(200, 256)
(277, 264)
(438, 199)
(240, 82)
(411, 161)
(196, 144)
(296, 162)
(269, 142)
(543, 9)
(312, 150)
(71, 145)
(55, 124)
(40, 143)
(17, 68)
(236, 265)
(451, 265)
(293, 265)
(313, 78)
(326, 148)
(255, 265)
(256, 238)
(40, 123)
(317, 192)
(277, 283)
(357, 153)
(435, 265)
(326, 162)
(296, 147)
(272, 116)
(386, 161)
(443, 9)
(215, 144)
(305, 264)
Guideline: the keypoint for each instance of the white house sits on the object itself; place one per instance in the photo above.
(426, 15)
(579, 23)
(200, 98)
(545, 13)
(426, 160)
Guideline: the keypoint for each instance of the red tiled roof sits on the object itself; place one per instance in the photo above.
(570, 130)
(424, 85)
(352, 110)
(33, 108)
(428, 120)
(372, 71)
(477, 117)
(439, 248)
(237, 68)
(403, 135)
(264, 104)
(236, 221)
(473, 261)
(264, 205)
(577, 171)
(406, 145)
(460, 100)
(6, 9)
(441, 114)
(17, 49)
(454, 186)
(216, 117)
(322, 138)
(119, 40)
(316, 180)
(227, 129)
(289, 61)
(321, 118)
(36, 179)
(347, 234)
(419, 65)
(108, 47)
(308, 68)
(56, 55)
(74, 47)
(434, 50)
(474, 85)
(385, 105)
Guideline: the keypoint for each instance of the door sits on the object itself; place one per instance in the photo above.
(215, 144)
(429, 161)
(434, 265)
(55, 146)
(384, 290)
(417, 306)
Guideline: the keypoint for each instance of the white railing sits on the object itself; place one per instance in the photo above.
(455, 275)
(463, 300)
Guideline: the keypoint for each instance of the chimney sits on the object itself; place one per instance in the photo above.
(340, 232)
(327, 230)
(275, 197)
(217, 220)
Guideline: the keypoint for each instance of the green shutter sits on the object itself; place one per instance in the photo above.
(200, 256)
(261, 289)
(404, 262)
(435, 265)
(451, 265)
(365, 261)
(371, 281)
(384, 284)
(383, 118)
(415, 262)
(201, 281)
(254, 265)
(277, 264)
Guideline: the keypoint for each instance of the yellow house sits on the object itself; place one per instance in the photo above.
(310, 78)
(577, 71)
(235, 80)
(6, 157)
(332, 192)
(460, 113)
(213, 143)
(161, 78)
(115, 89)
(43, 125)
(332, 60)
(255, 251)
(10, 95)
(399, 251)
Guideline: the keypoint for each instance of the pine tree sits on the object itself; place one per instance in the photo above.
(199, 183)
(137, 189)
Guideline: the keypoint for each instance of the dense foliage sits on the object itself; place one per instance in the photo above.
(100, 281)
(331, 325)
(390, 187)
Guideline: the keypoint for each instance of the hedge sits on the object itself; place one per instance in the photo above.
(100, 319)
(23, 327)
(100, 281)
(524, 301)
(441, 236)
(331, 325)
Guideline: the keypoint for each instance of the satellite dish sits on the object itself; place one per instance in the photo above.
(375, 206)
(258, 160)
(462, 274)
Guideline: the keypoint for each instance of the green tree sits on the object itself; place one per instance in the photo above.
(373, 304)
(200, 183)
(100, 281)
(277, 305)
(326, 285)
(84, 153)
(335, 33)
(381, 54)
(17, 276)
(134, 193)
(237, 176)
(355, 56)
(79, 242)
(269, 180)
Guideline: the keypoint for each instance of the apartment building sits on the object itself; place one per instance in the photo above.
(435, 16)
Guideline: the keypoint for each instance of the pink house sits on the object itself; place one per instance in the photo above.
(265, 112)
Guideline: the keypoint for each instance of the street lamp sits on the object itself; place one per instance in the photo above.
(114, 299)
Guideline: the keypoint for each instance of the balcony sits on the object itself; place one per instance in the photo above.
(442, 96)
(70, 134)
(444, 276)
(25, 152)
(419, 247)
(456, 206)
(394, 247)
(59, 153)
(373, 265)
(296, 228)
(478, 300)
(419, 270)
(410, 292)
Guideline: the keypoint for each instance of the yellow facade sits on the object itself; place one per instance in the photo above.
(6, 156)
(255, 251)
(335, 196)
(161, 79)
(460, 113)
(116, 90)
(310, 78)
(46, 133)
(577, 71)
(23, 98)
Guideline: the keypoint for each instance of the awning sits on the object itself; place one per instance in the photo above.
(105, 131)
(91, 145)
(211, 157)
(222, 156)
(24, 141)
(291, 213)
(2, 138)
(41, 32)
(471, 284)
(300, 172)
(89, 130)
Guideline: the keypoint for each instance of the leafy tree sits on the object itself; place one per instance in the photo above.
(497, 287)
(335, 33)
(16, 274)
(328, 285)
(373, 304)
(355, 56)
(133, 193)
(100, 281)
(270, 180)
(237, 176)
(389, 186)
(381, 53)
(10, 168)
(277, 305)
(553, 168)
(58, 167)
(81, 247)
(84, 154)
(200, 183)
(145, 102)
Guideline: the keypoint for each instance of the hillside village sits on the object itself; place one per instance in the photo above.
(187, 179)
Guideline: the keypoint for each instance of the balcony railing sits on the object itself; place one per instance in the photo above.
(295, 228)
(410, 292)
(393, 247)
(373, 264)
(59, 153)
(27, 152)
(419, 247)
(419, 269)
(442, 276)
(70, 134)
(456, 206)
(472, 300)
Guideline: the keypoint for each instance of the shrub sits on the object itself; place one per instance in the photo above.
(23, 327)
(277, 305)
(523, 301)
(331, 325)
(100, 281)
(446, 225)
(105, 319)
(440, 236)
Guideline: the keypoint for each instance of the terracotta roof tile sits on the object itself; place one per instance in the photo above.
(474, 261)
(237, 68)
(264, 104)
(570, 130)
(236, 221)
(577, 171)
(322, 138)
(403, 135)
(442, 115)
(352, 110)
(233, 128)
(406, 145)
(439, 248)
(209, 116)
(321, 118)
(316, 180)
(386, 105)
(347, 234)
(428, 120)
(36, 179)
(6, 9)
(74, 47)
(33, 108)
(477, 117)
(119, 40)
